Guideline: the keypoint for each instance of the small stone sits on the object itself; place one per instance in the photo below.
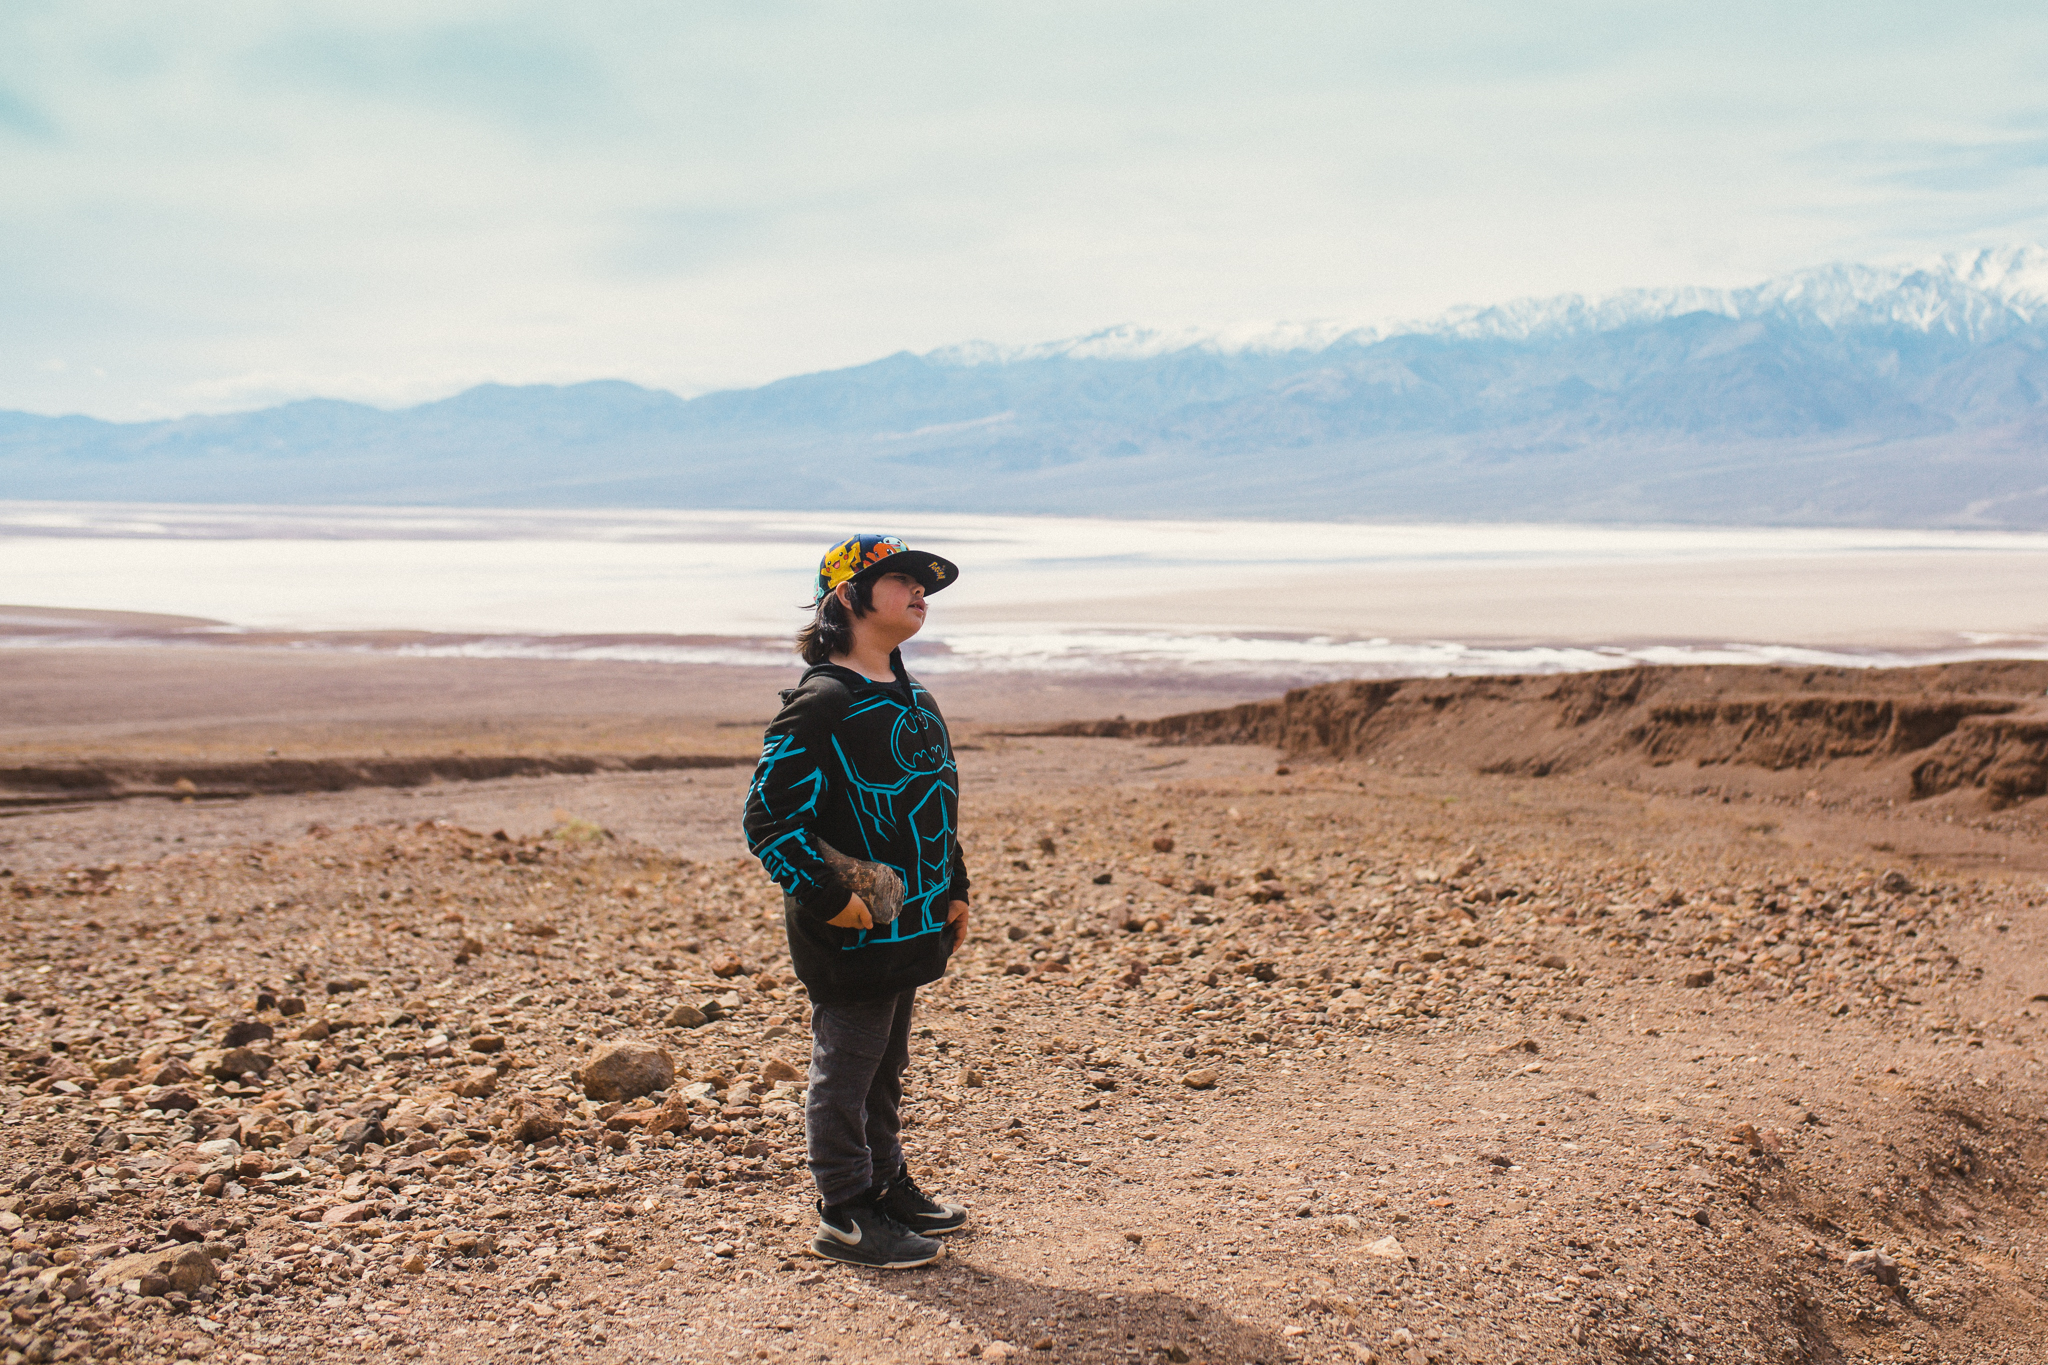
(1556, 962)
(291, 1005)
(477, 1082)
(1104, 878)
(972, 1079)
(361, 1133)
(1134, 1238)
(1703, 977)
(415, 1264)
(727, 967)
(186, 1230)
(626, 1071)
(1203, 1078)
(1163, 844)
(214, 1185)
(776, 1070)
(487, 1043)
(247, 1031)
(1895, 882)
(999, 1350)
(1875, 1264)
(169, 1100)
(685, 1016)
(315, 1032)
(1387, 1248)
(171, 1073)
(1042, 1344)
(1500, 1159)
(238, 1062)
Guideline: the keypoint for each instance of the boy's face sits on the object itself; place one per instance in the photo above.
(898, 606)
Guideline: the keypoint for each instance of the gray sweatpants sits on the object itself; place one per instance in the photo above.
(853, 1112)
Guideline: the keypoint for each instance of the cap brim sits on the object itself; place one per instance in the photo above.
(934, 571)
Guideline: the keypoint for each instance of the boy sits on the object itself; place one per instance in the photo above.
(853, 811)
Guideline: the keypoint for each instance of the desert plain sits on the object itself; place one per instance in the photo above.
(368, 1008)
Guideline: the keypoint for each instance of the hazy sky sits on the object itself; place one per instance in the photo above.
(215, 205)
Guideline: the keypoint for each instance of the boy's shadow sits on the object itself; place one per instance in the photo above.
(1084, 1325)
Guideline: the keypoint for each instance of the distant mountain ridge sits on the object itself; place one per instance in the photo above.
(1844, 395)
(1973, 294)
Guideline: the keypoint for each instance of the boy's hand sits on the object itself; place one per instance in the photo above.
(956, 925)
(854, 916)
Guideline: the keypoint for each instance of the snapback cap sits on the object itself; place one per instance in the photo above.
(869, 555)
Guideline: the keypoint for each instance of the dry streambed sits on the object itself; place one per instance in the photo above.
(1234, 1072)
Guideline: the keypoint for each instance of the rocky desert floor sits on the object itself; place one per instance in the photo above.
(1242, 1061)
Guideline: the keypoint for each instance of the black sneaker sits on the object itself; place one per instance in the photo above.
(860, 1233)
(902, 1200)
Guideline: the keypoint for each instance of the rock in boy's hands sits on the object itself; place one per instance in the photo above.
(956, 925)
(854, 916)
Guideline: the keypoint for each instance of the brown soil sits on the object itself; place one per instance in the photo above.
(1505, 1068)
(218, 703)
(49, 785)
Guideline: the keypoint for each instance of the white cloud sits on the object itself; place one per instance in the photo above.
(225, 205)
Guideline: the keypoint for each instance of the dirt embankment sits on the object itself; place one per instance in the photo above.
(64, 784)
(1905, 733)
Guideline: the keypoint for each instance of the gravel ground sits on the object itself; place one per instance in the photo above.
(1331, 1065)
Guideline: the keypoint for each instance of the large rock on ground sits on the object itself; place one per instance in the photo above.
(237, 1062)
(626, 1071)
(186, 1269)
(529, 1118)
(246, 1031)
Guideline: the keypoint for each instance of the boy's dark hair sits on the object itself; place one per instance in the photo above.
(831, 628)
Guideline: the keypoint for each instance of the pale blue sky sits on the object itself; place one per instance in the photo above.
(219, 205)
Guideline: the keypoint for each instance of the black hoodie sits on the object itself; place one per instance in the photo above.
(866, 767)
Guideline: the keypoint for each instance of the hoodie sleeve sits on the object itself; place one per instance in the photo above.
(788, 793)
(958, 890)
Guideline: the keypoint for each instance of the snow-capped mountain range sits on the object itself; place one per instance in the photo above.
(1973, 294)
(1847, 394)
